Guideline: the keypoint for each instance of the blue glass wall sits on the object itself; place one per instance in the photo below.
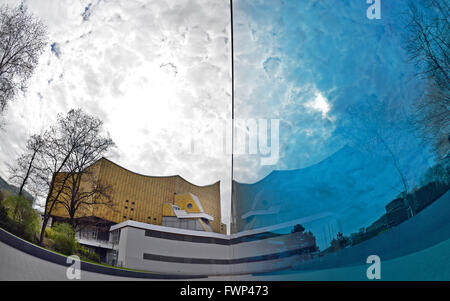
(334, 84)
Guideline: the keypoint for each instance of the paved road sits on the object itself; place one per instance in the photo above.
(430, 264)
(17, 265)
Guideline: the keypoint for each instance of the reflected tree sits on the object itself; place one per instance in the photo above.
(427, 43)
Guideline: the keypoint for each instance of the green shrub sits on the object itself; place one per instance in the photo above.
(21, 219)
(87, 254)
(49, 233)
(94, 257)
(64, 239)
(4, 219)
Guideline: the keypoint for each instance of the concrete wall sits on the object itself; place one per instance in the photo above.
(234, 255)
(187, 223)
(187, 252)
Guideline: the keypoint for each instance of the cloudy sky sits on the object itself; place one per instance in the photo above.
(345, 94)
(148, 69)
(310, 63)
(159, 74)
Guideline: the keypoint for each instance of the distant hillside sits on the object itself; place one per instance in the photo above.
(5, 186)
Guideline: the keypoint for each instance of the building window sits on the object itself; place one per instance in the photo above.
(132, 209)
(124, 216)
(115, 236)
(126, 207)
(131, 219)
(149, 217)
(132, 203)
(189, 206)
(126, 201)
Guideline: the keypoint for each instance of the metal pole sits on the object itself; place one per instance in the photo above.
(232, 95)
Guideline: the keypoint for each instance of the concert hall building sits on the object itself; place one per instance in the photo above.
(169, 225)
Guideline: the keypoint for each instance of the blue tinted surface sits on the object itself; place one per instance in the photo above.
(351, 164)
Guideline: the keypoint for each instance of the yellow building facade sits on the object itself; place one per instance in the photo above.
(149, 199)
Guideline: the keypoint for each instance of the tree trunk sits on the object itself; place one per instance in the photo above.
(41, 236)
(72, 221)
(25, 179)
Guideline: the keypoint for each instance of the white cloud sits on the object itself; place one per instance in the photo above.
(320, 104)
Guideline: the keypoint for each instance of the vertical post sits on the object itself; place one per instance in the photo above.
(232, 96)
(232, 114)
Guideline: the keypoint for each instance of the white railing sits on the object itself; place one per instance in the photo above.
(95, 243)
(85, 239)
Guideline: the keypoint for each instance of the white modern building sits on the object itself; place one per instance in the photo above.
(169, 250)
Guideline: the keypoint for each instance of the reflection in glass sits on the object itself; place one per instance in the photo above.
(355, 163)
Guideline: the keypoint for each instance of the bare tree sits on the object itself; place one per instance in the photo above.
(428, 46)
(22, 173)
(83, 194)
(377, 123)
(85, 191)
(22, 41)
(51, 163)
(68, 148)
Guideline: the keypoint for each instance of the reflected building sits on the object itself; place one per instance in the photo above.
(342, 193)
